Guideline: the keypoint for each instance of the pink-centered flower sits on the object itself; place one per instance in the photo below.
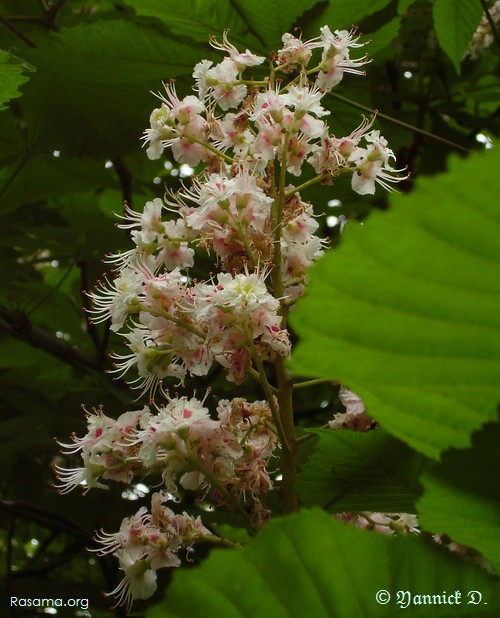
(242, 60)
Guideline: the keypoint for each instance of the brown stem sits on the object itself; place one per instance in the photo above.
(17, 32)
(125, 178)
(16, 324)
(91, 329)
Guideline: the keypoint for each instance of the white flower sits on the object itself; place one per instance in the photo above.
(241, 60)
(269, 102)
(200, 75)
(117, 299)
(372, 165)
(139, 580)
(180, 414)
(162, 129)
(85, 477)
(149, 220)
(294, 52)
(244, 293)
(220, 83)
(355, 416)
(354, 405)
(153, 361)
(340, 40)
(304, 100)
(335, 60)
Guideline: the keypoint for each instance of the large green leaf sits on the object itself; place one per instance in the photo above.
(93, 82)
(279, 17)
(461, 495)
(412, 309)
(311, 565)
(198, 20)
(361, 471)
(12, 75)
(455, 22)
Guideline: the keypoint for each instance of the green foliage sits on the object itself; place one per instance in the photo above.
(412, 302)
(244, 20)
(358, 471)
(194, 19)
(309, 564)
(411, 299)
(461, 495)
(343, 13)
(11, 77)
(280, 16)
(455, 22)
(109, 69)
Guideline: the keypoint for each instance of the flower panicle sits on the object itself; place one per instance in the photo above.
(244, 142)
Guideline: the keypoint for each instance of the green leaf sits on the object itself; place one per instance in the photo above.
(412, 299)
(280, 16)
(341, 14)
(382, 37)
(199, 20)
(360, 471)
(455, 21)
(311, 565)
(35, 176)
(461, 495)
(92, 87)
(12, 75)
(403, 5)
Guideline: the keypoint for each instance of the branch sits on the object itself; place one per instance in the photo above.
(17, 32)
(47, 19)
(45, 518)
(125, 178)
(16, 324)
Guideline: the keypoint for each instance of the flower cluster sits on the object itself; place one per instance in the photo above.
(147, 542)
(249, 139)
(240, 207)
(184, 328)
(224, 460)
(105, 451)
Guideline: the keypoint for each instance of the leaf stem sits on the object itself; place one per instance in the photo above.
(209, 146)
(308, 383)
(175, 320)
(307, 184)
